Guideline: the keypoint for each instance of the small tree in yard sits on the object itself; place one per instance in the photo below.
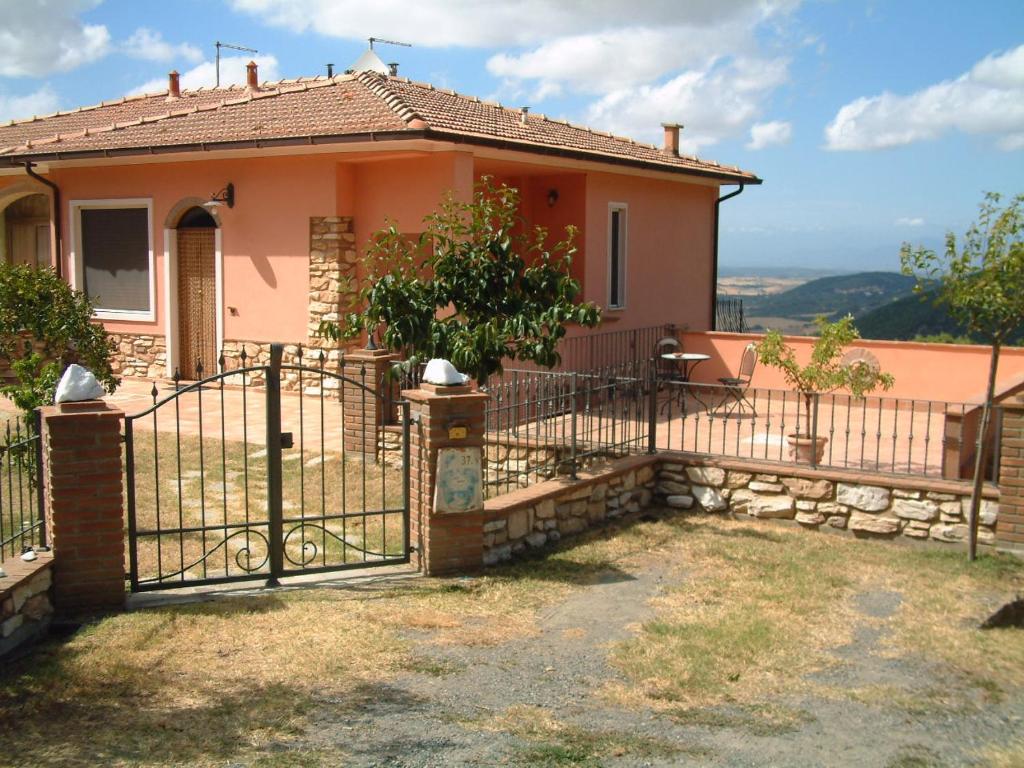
(477, 287)
(44, 327)
(981, 281)
(825, 371)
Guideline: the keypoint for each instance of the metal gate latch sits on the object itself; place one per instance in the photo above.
(287, 441)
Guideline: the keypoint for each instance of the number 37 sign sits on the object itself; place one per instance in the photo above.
(459, 485)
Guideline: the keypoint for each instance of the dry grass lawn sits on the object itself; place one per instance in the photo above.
(750, 609)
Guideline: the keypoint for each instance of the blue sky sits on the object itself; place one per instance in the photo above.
(871, 122)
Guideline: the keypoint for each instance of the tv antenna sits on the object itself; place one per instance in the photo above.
(388, 42)
(233, 48)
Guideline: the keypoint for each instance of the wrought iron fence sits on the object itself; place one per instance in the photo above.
(542, 424)
(21, 488)
(729, 315)
(890, 435)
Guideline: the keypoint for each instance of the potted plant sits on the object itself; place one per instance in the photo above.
(825, 372)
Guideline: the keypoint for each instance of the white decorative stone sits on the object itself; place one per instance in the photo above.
(443, 373)
(867, 498)
(77, 384)
(709, 498)
(910, 509)
(706, 475)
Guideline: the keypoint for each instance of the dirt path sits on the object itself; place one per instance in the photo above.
(535, 701)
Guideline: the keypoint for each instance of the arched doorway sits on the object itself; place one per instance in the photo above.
(25, 231)
(197, 293)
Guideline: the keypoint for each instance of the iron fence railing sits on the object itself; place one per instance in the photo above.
(890, 435)
(729, 315)
(542, 424)
(21, 488)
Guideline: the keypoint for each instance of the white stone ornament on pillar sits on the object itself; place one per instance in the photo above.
(77, 384)
(443, 373)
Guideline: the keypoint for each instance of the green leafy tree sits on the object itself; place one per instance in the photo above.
(44, 327)
(477, 287)
(825, 371)
(980, 279)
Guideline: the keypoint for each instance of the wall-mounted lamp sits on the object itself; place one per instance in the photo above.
(552, 197)
(225, 197)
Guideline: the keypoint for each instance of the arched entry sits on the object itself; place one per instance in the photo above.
(25, 231)
(197, 293)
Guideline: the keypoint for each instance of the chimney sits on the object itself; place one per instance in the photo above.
(173, 86)
(393, 68)
(330, 70)
(252, 78)
(523, 114)
(671, 146)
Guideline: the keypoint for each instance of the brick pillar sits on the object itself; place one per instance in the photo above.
(1010, 526)
(84, 504)
(364, 413)
(453, 542)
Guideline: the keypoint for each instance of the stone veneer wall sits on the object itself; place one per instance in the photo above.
(139, 354)
(532, 517)
(25, 606)
(333, 275)
(873, 505)
(258, 353)
(865, 505)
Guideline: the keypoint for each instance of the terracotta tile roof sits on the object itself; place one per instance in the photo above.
(326, 109)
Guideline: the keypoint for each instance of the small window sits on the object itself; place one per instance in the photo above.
(114, 259)
(617, 256)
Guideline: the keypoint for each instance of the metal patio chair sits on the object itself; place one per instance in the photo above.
(735, 398)
(667, 369)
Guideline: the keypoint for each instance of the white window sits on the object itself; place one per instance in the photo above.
(617, 255)
(112, 255)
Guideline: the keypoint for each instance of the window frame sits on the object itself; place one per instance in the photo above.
(623, 210)
(75, 208)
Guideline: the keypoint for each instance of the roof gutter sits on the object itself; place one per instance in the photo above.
(58, 261)
(714, 257)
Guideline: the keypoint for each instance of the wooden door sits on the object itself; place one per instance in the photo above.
(197, 303)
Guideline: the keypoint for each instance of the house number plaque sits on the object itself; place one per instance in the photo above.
(459, 486)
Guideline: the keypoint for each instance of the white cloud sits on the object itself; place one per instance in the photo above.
(36, 41)
(41, 102)
(987, 100)
(437, 23)
(150, 46)
(772, 134)
(232, 72)
(713, 103)
(907, 221)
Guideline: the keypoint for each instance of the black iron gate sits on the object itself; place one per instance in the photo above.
(225, 484)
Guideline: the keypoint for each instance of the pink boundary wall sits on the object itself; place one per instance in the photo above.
(943, 372)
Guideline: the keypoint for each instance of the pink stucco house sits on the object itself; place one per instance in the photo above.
(306, 170)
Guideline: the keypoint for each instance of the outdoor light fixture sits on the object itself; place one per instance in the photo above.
(552, 197)
(225, 197)
(371, 342)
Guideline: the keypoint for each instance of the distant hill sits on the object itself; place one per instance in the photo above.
(834, 296)
(913, 316)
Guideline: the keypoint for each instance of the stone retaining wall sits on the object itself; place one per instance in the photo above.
(25, 605)
(139, 354)
(258, 353)
(875, 505)
(532, 517)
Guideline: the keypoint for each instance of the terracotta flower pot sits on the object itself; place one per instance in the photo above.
(802, 448)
